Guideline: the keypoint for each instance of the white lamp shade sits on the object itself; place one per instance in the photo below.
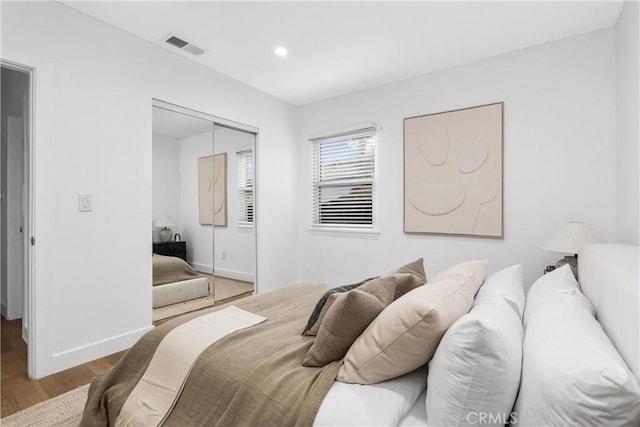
(165, 221)
(570, 237)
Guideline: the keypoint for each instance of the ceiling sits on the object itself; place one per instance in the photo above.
(341, 47)
(176, 125)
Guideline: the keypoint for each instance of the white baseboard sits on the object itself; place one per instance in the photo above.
(203, 268)
(222, 272)
(78, 356)
(237, 275)
(10, 314)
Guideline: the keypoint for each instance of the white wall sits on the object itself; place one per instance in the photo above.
(165, 197)
(628, 127)
(94, 88)
(559, 158)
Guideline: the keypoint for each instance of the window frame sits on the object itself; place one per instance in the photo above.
(343, 229)
(242, 190)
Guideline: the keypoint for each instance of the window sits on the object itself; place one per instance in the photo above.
(343, 171)
(245, 187)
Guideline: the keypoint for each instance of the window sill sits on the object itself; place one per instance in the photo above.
(245, 227)
(357, 233)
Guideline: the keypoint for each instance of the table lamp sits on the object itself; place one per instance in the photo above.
(569, 238)
(164, 222)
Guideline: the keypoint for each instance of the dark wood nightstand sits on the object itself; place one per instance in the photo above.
(177, 249)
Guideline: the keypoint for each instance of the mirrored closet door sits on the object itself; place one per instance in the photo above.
(234, 239)
(203, 214)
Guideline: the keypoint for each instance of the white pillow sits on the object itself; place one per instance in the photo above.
(548, 285)
(506, 283)
(476, 368)
(571, 374)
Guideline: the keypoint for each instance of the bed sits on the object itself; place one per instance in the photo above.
(242, 363)
(176, 281)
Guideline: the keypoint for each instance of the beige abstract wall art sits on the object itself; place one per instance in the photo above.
(453, 172)
(212, 189)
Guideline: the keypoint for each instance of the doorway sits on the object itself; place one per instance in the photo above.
(203, 210)
(15, 201)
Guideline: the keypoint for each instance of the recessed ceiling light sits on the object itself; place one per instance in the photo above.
(281, 51)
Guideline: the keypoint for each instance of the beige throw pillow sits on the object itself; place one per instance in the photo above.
(349, 315)
(406, 334)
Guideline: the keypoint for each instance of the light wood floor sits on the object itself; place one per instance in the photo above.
(18, 392)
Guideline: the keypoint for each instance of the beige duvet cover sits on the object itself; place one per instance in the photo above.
(169, 269)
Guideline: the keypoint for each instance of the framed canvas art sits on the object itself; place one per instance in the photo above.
(453, 172)
(212, 189)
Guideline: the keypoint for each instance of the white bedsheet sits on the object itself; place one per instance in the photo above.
(382, 404)
(417, 416)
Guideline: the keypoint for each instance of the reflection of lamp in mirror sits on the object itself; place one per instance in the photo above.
(164, 222)
(569, 238)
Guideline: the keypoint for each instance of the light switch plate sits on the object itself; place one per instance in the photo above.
(85, 203)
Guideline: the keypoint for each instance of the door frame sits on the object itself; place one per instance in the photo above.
(28, 302)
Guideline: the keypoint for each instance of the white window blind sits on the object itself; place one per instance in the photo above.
(343, 172)
(245, 187)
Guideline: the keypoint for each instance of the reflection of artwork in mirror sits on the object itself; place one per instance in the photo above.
(453, 172)
(212, 189)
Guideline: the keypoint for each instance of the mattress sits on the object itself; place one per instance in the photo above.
(184, 290)
(175, 281)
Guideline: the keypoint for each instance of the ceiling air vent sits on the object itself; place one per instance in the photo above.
(182, 44)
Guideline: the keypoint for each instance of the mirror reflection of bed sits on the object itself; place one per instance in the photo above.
(203, 212)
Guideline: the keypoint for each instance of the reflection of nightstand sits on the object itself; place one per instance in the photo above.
(177, 249)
